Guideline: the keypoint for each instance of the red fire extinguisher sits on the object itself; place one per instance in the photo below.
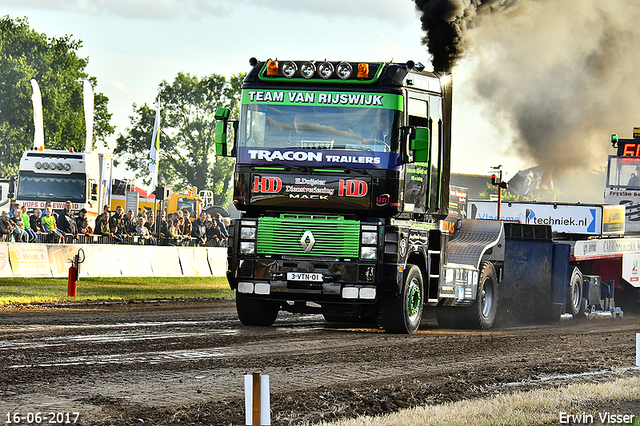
(74, 273)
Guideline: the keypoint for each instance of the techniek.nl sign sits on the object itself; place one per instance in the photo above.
(562, 218)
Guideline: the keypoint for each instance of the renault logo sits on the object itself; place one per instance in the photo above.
(307, 246)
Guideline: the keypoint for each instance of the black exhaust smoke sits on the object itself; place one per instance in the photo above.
(446, 23)
(554, 77)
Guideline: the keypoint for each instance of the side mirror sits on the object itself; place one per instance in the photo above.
(222, 117)
(420, 145)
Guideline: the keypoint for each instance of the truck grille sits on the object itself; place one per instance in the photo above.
(328, 236)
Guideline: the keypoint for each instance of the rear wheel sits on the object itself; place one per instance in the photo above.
(574, 293)
(403, 313)
(252, 311)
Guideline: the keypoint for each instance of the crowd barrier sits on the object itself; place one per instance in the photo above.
(53, 260)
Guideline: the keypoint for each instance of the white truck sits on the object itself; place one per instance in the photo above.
(84, 178)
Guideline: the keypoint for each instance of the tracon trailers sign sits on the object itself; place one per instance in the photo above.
(569, 219)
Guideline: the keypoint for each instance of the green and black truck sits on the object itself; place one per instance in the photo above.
(342, 177)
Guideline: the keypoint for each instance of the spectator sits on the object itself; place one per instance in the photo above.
(107, 210)
(117, 237)
(199, 231)
(222, 227)
(164, 231)
(213, 233)
(117, 225)
(66, 221)
(188, 226)
(19, 232)
(102, 225)
(35, 221)
(84, 228)
(6, 227)
(49, 225)
(27, 224)
(151, 225)
(143, 232)
(82, 215)
(49, 204)
(130, 223)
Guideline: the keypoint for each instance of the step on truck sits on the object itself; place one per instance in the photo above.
(342, 177)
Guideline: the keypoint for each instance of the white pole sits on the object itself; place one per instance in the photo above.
(264, 400)
(637, 349)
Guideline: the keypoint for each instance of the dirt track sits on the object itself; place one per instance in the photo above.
(183, 362)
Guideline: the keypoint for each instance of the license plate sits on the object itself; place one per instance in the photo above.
(304, 276)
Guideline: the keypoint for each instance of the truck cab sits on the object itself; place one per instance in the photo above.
(342, 174)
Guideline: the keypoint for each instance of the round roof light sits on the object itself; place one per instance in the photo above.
(67, 166)
(45, 166)
(60, 166)
(289, 69)
(52, 165)
(307, 69)
(344, 70)
(325, 69)
(38, 165)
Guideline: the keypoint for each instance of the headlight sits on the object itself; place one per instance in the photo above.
(344, 70)
(289, 69)
(248, 233)
(369, 238)
(368, 253)
(325, 69)
(307, 69)
(247, 247)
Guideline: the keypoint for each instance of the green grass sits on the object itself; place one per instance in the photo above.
(54, 290)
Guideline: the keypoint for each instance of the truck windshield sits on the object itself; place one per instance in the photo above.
(319, 127)
(49, 187)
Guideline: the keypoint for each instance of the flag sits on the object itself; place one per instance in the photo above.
(87, 94)
(155, 148)
(36, 99)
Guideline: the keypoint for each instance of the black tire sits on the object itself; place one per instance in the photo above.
(252, 311)
(482, 313)
(402, 313)
(574, 304)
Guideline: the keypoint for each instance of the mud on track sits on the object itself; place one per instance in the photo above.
(183, 363)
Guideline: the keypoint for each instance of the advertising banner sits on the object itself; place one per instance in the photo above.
(5, 266)
(630, 273)
(165, 262)
(194, 262)
(217, 261)
(29, 260)
(135, 261)
(563, 218)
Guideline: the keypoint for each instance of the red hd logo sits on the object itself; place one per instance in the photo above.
(352, 188)
(266, 184)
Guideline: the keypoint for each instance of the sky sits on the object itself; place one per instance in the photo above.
(133, 45)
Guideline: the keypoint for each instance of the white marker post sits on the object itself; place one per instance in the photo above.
(637, 349)
(256, 400)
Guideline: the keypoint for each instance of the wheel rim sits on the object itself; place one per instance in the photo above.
(414, 299)
(486, 298)
(576, 295)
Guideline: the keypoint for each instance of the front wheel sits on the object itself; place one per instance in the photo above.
(482, 313)
(252, 311)
(402, 313)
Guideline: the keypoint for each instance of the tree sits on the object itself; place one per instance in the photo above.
(187, 126)
(55, 65)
